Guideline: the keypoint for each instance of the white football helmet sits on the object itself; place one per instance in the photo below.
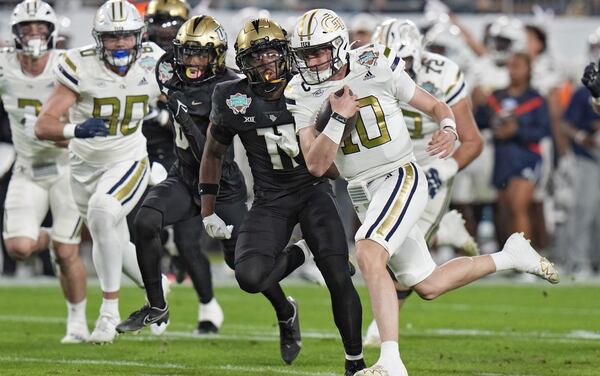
(403, 37)
(114, 18)
(594, 46)
(33, 11)
(507, 36)
(315, 30)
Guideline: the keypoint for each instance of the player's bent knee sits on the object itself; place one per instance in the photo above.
(103, 212)
(249, 280)
(427, 290)
(147, 223)
(66, 253)
(371, 261)
(20, 248)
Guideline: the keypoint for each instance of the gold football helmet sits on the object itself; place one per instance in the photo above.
(163, 19)
(199, 48)
(263, 54)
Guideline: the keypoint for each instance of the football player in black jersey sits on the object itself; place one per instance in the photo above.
(187, 74)
(285, 193)
(163, 19)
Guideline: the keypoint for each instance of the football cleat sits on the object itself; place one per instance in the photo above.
(373, 371)
(353, 366)
(145, 316)
(372, 338)
(289, 335)
(77, 332)
(452, 232)
(105, 331)
(210, 318)
(526, 259)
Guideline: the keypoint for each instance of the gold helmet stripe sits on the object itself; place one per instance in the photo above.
(310, 22)
(301, 31)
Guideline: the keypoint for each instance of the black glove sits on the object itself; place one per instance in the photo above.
(179, 109)
(591, 79)
(91, 128)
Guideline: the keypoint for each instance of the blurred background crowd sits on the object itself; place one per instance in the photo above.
(558, 206)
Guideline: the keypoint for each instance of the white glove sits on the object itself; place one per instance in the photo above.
(216, 227)
(287, 143)
(446, 168)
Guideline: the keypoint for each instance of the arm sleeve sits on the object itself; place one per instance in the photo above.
(66, 70)
(218, 130)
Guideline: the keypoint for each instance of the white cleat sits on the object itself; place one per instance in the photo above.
(210, 318)
(527, 260)
(372, 339)
(77, 332)
(309, 270)
(379, 370)
(158, 329)
(452, 231)
(105, 330)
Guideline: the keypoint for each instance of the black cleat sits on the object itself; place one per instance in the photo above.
(289, 335)
(353, 366)
(206, 327)
(145, 316)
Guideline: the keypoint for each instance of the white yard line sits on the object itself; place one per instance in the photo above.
(119, 363)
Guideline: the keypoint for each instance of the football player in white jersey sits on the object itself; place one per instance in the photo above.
(107, 88)
(41, 175)
(443, 79)
(388, 187)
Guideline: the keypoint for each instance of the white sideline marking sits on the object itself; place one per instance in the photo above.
(124, 363)
(261, 333)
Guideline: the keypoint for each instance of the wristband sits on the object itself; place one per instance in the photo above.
(340, 118)
(334, 130)
(448, 124)
(69, 131)
(208, 189)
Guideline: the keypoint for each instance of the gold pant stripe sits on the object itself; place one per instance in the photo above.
(132, 182)
(392, 216)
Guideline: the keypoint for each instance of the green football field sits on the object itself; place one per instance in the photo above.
(485, 329)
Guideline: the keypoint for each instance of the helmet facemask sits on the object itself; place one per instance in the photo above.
(266, 65)
(120, 59)
(33, 46)
(318, 73)
(194, 73)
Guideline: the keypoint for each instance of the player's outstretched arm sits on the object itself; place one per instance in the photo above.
(49, 126)
(471, 142)
(442, 141)
(210, 175)
(210, 172)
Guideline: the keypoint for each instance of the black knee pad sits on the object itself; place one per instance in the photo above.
(147, 223)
